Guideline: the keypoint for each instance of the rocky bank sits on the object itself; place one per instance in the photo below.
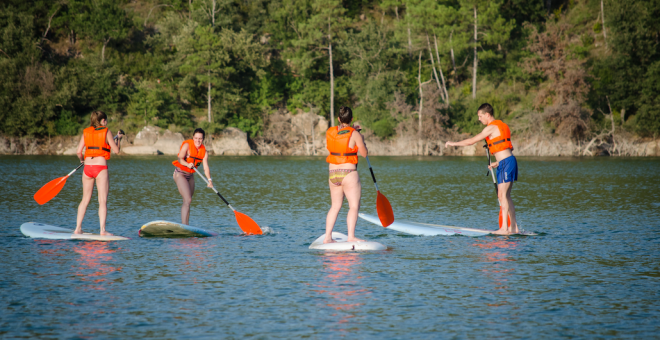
(303, 134)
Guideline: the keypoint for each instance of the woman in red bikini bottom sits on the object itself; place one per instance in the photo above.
(97, 142)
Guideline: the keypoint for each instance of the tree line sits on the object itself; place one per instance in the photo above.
(571, 67)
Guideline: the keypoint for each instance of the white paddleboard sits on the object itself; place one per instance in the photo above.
(172, 229)
(40, 230)
(341, 244)
(426, 229)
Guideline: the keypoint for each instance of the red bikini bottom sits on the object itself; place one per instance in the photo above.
(93, 170)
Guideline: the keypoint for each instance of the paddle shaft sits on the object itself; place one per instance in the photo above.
(372, 173)
(74, 170)
(370, 169)
(492, 174)
(216, 191)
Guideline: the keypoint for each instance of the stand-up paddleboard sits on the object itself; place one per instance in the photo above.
(172, 229)
(425, 229)
(40, 230)
(341, 244)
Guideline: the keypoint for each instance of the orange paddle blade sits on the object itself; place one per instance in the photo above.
(508, 220)
(385, 213)
(248, 225)
(50, 190)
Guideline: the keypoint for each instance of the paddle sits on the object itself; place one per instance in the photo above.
(495, 183)
(248, 225)
(52, 188)
(385, 213)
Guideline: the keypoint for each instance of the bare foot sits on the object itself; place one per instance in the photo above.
(354, 239)
(78, 231)
(105, 233)
(329, 241)
(502, 231)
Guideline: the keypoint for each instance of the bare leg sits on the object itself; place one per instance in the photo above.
(504, 191)
(353, 191)
(103, 187)
(186, 189)
(512, 211)
(88, 188)
(337, 197)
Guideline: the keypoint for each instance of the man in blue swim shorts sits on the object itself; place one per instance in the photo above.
(498, 137)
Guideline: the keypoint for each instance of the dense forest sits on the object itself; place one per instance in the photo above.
(574, 68)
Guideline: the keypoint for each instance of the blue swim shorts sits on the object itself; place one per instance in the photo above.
(507, 170)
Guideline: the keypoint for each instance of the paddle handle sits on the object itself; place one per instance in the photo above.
(213, 187)
(372, 173)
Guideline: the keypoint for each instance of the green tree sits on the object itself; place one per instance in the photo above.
(102, 20)
(156, 103)
(324, 25)
(374, 74)
(628, 76)
(490, 30)
(213, 59)
(28, 86)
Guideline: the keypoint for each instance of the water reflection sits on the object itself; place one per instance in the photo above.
(496, 253)
(193, 251)
(342, 290)
(93, 260)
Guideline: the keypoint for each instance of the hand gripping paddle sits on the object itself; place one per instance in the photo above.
(385, 213)
(248, 225)
(496, 191)
(52, 188)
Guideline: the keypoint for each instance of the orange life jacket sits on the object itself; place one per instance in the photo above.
(338, 141)
(195, 156)
(96, 142)
(503, 141)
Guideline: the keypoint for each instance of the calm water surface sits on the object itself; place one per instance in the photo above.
(592, 273)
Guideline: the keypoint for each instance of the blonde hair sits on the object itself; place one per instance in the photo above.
(97, 117)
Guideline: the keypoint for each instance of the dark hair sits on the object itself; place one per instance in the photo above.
(200, 130)
(97, 117)
(345, 114)
(485, 107)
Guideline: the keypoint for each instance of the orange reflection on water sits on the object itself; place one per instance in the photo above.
(497, 251)
(94, 256)
(496, 255)
(193, 250)
(341, 287)
(49, 252)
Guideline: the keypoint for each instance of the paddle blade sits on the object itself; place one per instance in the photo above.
(385, 213)
(248, 225)
(50, 190)
(508, 220)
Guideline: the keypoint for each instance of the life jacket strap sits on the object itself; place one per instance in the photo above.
(344, 154)
(500, 141)
(97, 148)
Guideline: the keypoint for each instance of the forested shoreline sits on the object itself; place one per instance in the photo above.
(582, 71)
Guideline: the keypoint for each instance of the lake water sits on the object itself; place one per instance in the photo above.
(593, 272)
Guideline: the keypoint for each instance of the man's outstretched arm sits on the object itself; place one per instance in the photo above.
(466, 142)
